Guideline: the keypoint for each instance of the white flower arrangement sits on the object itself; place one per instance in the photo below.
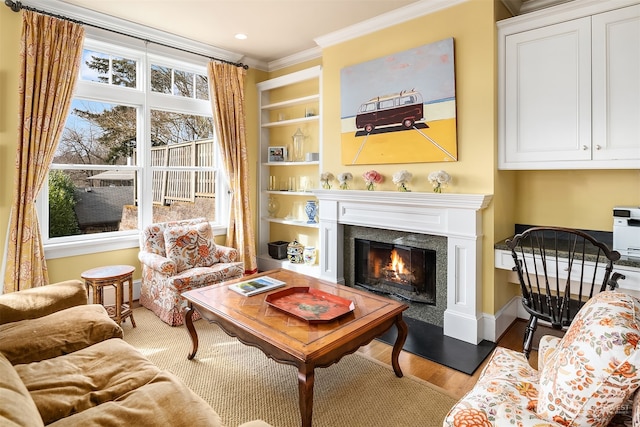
(326, 178)
(439, 180)
(401, 178)
(344, 179)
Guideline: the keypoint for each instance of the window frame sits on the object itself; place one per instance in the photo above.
(144, 100)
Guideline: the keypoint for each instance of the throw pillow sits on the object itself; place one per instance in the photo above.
(595, 367)
(190, 246)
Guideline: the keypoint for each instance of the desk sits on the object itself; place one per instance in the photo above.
(116, 276)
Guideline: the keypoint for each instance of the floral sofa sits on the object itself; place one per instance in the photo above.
(179, 256)
(587, 378)
(63, 362)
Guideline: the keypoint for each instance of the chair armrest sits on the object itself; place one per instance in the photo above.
(41, 301)
(227, 254)
(548, 345)
(157, 262)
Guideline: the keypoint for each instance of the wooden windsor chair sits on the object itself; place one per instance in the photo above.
(559, 269)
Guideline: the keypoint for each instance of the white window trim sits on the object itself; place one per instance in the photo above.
(144, 101)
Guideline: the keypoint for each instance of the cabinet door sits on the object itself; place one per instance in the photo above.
(616, 84)
(548, 93)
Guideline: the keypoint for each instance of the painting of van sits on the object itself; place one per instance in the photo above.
(400, 108)
(403, 108)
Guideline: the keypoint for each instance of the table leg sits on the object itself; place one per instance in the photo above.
(397, 347)
(306, 378)
(118, 285)
(188, 321)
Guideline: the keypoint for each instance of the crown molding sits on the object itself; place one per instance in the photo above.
(518, 7)
(296, 58)
(397, 16)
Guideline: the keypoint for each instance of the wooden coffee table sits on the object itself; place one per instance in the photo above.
(293, 341)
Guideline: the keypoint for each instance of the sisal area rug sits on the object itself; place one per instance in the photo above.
(242, 384)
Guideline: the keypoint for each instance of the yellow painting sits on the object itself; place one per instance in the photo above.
(400, 108)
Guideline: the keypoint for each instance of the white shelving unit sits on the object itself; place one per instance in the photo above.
(286, 104)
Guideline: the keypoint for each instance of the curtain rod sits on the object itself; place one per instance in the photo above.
(16, 6)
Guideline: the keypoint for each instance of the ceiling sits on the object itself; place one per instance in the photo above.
(276, 29)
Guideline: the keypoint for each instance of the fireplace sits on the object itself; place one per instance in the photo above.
(455, 218)
(428, 306)
(405, 272)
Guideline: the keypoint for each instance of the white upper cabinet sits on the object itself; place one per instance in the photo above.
(569, 88)
(616, 84)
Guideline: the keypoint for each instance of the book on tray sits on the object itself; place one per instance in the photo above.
(256, 286)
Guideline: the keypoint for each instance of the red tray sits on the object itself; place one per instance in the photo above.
(310, 304)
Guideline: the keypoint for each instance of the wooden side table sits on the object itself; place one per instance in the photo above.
(116, 276)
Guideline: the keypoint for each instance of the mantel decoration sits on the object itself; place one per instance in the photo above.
(371, 178)
(439, 180)
(401, 178)
(326, 178)
(344, 179)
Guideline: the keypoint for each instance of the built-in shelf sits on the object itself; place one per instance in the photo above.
(289, 105)
(290, 193)
(290, 102)
(291, 163)
(298, 222)
(290, 121)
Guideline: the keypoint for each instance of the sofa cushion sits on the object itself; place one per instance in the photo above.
(190, 246)
(58, 333)
(594, 370)
(104, 372)
(42, 300)
(16, 405)
(163, 401)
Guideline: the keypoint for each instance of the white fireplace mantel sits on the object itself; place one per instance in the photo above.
(455, 216)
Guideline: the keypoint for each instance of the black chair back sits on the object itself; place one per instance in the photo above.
(559, 269)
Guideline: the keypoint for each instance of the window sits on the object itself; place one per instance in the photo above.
(138, 147)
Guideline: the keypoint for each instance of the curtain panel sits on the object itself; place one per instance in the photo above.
(226, 84)
(51, 50)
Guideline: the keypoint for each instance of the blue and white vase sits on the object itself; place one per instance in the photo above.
(311, 209)
(295, 252)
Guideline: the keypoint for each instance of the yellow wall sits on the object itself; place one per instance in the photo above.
(472, 26)
(579, 199)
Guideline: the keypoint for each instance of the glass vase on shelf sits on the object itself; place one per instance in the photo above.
(272, 206)
(298, 146)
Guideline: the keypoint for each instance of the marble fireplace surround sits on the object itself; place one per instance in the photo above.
(455, 216)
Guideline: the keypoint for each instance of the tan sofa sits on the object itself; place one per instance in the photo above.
(64, 362)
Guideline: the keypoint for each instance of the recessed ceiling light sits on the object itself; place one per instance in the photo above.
(241, 36)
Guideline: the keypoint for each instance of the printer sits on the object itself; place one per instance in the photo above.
(626, 230)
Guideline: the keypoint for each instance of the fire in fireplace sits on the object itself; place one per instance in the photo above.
(391, 269)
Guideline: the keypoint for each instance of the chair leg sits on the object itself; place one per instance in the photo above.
(528, 335)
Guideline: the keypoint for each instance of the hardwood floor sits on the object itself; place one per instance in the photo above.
(455, 382)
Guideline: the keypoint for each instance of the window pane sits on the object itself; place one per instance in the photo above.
(86, 201)
(97, 133)
(161, 79)
(182, 140)
(124, 72)
(107, 204)
(104, 68)
(183, 83)
(202, 87)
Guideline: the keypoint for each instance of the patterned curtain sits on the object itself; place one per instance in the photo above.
(226, 84)
(51, 50)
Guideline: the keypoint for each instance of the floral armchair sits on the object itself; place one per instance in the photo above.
(179, 256)
(587, 378)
